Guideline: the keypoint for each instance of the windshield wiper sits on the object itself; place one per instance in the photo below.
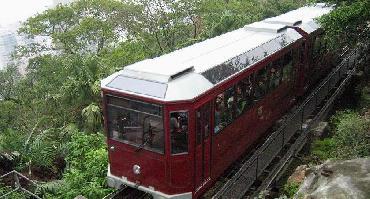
(142, 145)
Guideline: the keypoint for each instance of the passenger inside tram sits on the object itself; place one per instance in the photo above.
(275, 77)
(219, 107)
(179, 132)
(262, 83)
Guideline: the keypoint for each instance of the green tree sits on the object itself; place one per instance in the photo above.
(164, 25)
(8, 80)
(220, 16)
(84, 26)
(88, 163)
(348, 24)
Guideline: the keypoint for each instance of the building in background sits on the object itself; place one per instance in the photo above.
(8, 42)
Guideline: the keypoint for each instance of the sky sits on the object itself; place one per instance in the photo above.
(13, 11)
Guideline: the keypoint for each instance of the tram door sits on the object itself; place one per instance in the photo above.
(203, 146)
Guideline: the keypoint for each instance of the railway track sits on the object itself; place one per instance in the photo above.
(127, 192)
(257, 171)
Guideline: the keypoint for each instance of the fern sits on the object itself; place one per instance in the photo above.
(92, 117)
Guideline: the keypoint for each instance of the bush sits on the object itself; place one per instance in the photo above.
(365, 97)
(352, 136)
(8, 114)
(324, 149)
(6, 189)
(12, 140)
(290, 189)
(88, 163)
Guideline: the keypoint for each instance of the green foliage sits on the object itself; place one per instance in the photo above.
(85, 26)
(127, 52)
(8, 79)
(290, 189)
(12, 140)
(352, 136)
(324, 149)
(92, 116)
(81, 144)
(8, 110)
(88, 163)
(50, 188)
(37, 150)
(7, 189)
(221, 16)
(350, 139)
(348, 24)
(365, 97)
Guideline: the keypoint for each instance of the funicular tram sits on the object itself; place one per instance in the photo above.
(175, 123)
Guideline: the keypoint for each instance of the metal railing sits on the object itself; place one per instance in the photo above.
(16, 185)
(298, 122)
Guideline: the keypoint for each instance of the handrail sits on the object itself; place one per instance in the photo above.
(17, 185)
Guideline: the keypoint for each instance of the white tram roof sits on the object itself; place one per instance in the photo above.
(188, 72)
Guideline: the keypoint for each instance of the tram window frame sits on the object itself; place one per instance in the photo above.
(245, 99)
(225, 112)
(275, 68)
(258, 75)
(201, 122)
(123, 130)
(183, 126)
(288, 67)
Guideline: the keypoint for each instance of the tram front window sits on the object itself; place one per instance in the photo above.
(136, 123)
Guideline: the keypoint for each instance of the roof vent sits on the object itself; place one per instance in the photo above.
(321, 5)
(266, 27)
(187, 70)
(287, 22)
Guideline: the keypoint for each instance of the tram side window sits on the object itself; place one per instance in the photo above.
(316, 47)
(244, 95)
(262, 84)
(288, 67)
(275, 74)
(179, 132)
(224, 109)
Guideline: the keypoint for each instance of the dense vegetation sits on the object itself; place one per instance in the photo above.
(349, 131)
(51, 115)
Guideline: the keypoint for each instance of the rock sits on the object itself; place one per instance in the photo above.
(298, 175)
(338, 179)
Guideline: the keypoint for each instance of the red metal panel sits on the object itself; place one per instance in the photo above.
(181, 173)
(124, 157)
(203, 147)
(180, 166)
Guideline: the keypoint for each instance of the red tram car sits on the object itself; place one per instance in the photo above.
(175, 123)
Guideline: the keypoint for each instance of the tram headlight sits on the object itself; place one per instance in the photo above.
(136, 169)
